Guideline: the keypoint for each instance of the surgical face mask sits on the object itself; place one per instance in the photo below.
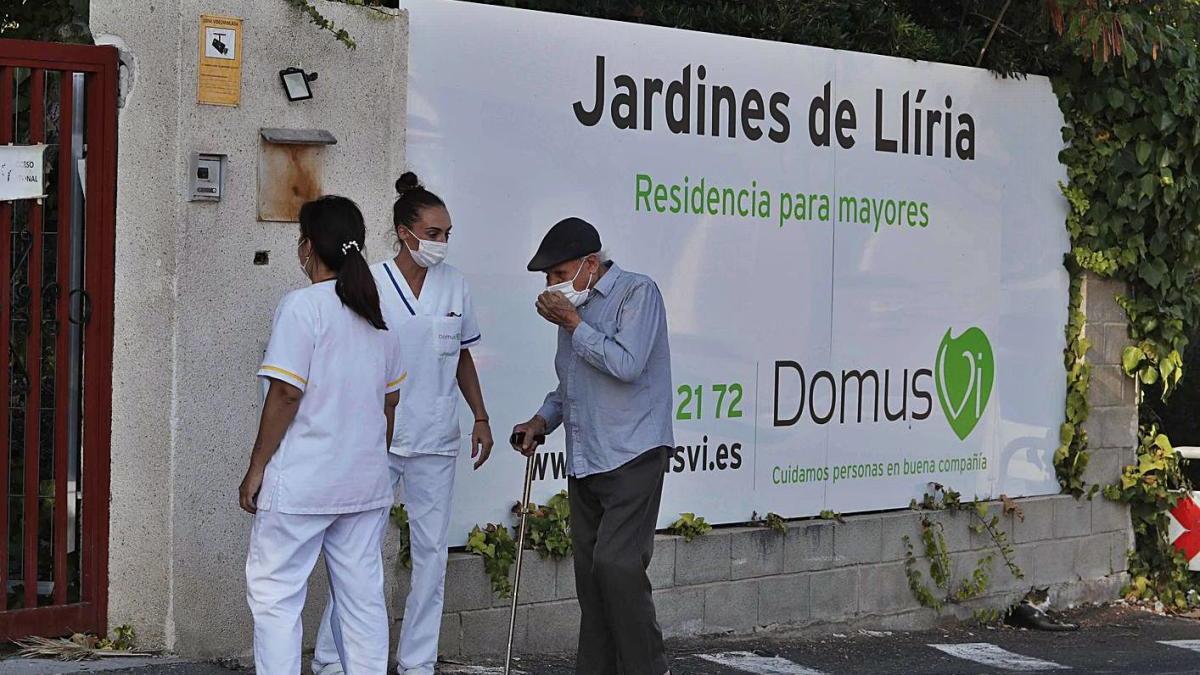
(567, 288)
(304, 260)
(428, 253)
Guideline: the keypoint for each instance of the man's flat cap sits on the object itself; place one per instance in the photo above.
(569, 239)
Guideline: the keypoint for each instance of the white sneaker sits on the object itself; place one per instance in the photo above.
(329, 669)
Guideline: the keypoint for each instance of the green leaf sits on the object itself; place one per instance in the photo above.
(1143, 151)
(689, 526)
(1066, 433)
(1167, 367)
(1131, 358)
(1150, 273)
(1147, 185)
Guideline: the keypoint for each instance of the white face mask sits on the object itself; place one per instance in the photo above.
(304, 265)
(428, 253)
(567, 288)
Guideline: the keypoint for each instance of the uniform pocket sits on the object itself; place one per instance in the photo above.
(447, 335)
(447, 420)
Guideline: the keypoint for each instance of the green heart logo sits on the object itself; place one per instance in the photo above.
(965, 372)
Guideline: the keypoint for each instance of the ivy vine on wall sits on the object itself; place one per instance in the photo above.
(946, 588)
(1151, 487)
(1071, 458)
(320, 21)
(1132, 110)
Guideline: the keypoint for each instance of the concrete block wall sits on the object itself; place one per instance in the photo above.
(818, 572)
(1113, 423)
(738, 580)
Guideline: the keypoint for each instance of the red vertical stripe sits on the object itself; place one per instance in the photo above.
(98, 334)
(62, 347)
(6, 136)
(33, 350)
(106, 253)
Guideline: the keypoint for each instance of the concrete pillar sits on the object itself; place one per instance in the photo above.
(193, 312)
(1112, 425)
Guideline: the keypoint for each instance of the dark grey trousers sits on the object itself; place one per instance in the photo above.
(613, 516)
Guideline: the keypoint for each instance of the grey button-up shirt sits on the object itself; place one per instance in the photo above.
(614, 376)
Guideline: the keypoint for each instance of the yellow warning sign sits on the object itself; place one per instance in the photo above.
(220, 60)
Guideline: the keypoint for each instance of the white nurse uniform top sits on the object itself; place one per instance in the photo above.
(329, 460)
(432, 330)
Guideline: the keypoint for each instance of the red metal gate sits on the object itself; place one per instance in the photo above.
(56, 284)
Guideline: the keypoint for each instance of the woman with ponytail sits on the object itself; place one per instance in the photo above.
(428, 306)
(318, 477)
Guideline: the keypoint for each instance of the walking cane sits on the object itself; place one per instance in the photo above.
(516, 440)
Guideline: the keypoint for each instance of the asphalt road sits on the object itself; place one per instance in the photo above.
(1111, 640)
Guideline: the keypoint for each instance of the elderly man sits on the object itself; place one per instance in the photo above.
(614, 400)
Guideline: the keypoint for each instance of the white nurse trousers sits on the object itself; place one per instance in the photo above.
(283, 552)
(427, 488)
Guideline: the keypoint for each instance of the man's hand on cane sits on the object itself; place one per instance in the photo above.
(527, 436)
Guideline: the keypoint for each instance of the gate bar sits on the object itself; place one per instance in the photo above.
(33, 353)
(81, 58)
(101, 96)
(43, 621)
(6, 136)
(62, 376)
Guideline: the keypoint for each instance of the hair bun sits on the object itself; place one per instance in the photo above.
(407, 182)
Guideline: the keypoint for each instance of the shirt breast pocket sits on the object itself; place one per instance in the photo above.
(448, 335)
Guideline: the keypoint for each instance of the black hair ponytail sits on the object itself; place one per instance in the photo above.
(412, 198)
(356, 287)
(337, 231)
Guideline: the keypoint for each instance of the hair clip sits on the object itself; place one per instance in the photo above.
(351, 245)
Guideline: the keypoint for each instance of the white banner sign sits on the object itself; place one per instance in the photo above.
(21, 169)
(861, 256)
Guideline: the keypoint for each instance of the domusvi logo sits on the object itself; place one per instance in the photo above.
(963, 373)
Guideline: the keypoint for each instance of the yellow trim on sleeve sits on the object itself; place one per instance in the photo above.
(286, 373)
(397, 381)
